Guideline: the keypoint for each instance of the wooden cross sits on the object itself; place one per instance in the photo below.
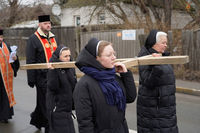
(149, 60)
(129, 62)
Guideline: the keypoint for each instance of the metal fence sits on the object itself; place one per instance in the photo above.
(123, 48)
(191, 47)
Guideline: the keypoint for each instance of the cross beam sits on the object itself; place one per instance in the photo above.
(129, 62)
(70, 64)
(149, 60)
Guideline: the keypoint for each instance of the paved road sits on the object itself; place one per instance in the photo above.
(188, 108)
(188, 113)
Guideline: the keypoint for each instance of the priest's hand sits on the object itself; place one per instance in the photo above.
(14, 57)
(50, 66)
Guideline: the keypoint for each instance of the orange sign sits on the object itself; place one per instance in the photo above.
(119, 34)
(188, 6)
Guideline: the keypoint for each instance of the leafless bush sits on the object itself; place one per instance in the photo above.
(11, 12)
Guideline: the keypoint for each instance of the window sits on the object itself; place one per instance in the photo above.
(77, 20)
(101, 18)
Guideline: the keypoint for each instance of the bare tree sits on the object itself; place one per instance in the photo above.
(16, 11)
(113, 7)
(149, 13)
(193, 11)
(161, 11)
(168, 4)
(147, 9)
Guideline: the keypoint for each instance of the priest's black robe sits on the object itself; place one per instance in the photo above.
(6, 112)
(35, 54)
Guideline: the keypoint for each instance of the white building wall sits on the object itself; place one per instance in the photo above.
(67, 17)
(179, 19)
(68, 14)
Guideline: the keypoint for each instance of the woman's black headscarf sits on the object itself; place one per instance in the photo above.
(151, 39)
(91, 46)
(56, 54)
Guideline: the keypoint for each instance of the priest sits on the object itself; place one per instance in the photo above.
(8, 70)
(40, 47)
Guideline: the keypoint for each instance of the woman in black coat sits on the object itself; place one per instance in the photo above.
(101, 95)
(60, 86)
(156, 103)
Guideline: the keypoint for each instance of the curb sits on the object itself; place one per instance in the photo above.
(189, 91)
(183, 90)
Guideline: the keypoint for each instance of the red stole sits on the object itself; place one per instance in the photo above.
(7, 73)
(49, 47)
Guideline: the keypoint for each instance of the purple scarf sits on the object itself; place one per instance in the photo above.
(109, 85)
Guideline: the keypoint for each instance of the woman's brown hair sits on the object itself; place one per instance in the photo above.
(101, 47)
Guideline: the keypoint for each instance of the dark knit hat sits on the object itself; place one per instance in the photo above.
(151, 39)
(1, 32)
(91, 46)
(44, 18)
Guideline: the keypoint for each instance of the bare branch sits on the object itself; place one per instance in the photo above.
(93, 13)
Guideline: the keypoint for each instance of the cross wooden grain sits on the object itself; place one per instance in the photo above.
(129, 62)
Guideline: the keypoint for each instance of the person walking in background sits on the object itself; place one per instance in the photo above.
(156, 103)
(7, 71)
(60, 85)
(101, 95)
(39, 49)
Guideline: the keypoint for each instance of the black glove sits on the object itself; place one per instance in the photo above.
(31, 84)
